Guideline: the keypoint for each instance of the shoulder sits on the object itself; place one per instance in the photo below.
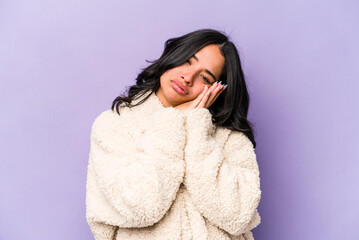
(104, 119)
(110, 117)
(107, 114)
(108, 124)
(232, 137)
(113, 132)
(239, 139)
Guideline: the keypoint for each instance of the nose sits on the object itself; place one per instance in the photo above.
(188, 77)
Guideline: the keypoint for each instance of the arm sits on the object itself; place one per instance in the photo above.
(102, 231)
(96, 202)
(223, 181)
(133, 180)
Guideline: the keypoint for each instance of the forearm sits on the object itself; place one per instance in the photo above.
(102, 231)
(139, 179)
(223, 180)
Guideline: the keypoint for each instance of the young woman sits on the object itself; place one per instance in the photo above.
(176, 159)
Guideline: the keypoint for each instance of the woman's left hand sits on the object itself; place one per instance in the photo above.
(205, 99)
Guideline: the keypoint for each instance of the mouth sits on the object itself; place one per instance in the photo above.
(178, 88)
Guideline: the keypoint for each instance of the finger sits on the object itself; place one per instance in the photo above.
(215, 94)
(214, 86)
(204, 100)
(209, 95)
(200, 96)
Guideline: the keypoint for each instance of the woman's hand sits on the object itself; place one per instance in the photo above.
(205, 99)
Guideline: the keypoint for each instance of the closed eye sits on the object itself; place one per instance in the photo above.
(206, 79)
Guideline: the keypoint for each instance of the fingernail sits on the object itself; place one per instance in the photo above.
(220, 81)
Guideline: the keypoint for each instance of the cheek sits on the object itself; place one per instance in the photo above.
(167, 76)
(198, 90)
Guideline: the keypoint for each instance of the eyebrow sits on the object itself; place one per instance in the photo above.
(209, 72)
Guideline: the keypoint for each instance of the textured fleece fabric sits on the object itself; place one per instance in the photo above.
(157, 172)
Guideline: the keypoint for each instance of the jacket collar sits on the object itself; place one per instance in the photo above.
(150, 105)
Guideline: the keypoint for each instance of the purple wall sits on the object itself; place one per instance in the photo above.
(63, 62)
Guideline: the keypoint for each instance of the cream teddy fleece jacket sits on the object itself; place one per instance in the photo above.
(156, 172)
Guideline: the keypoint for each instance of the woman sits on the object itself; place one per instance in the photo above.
(176, 159)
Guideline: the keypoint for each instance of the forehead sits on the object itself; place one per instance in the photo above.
(211, 58)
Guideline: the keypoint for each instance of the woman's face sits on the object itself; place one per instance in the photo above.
(185, 82)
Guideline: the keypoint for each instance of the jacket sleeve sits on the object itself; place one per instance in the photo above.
(223, 180)
(102, 231)
(133, 181)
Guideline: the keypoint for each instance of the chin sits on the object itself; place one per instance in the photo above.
(175, 96)
(175, 102)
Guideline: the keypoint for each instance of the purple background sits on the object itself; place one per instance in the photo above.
(63, 62)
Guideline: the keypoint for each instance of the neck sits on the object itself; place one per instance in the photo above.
(162, 98)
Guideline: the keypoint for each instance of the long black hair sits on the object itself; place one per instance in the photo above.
(230, 109)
